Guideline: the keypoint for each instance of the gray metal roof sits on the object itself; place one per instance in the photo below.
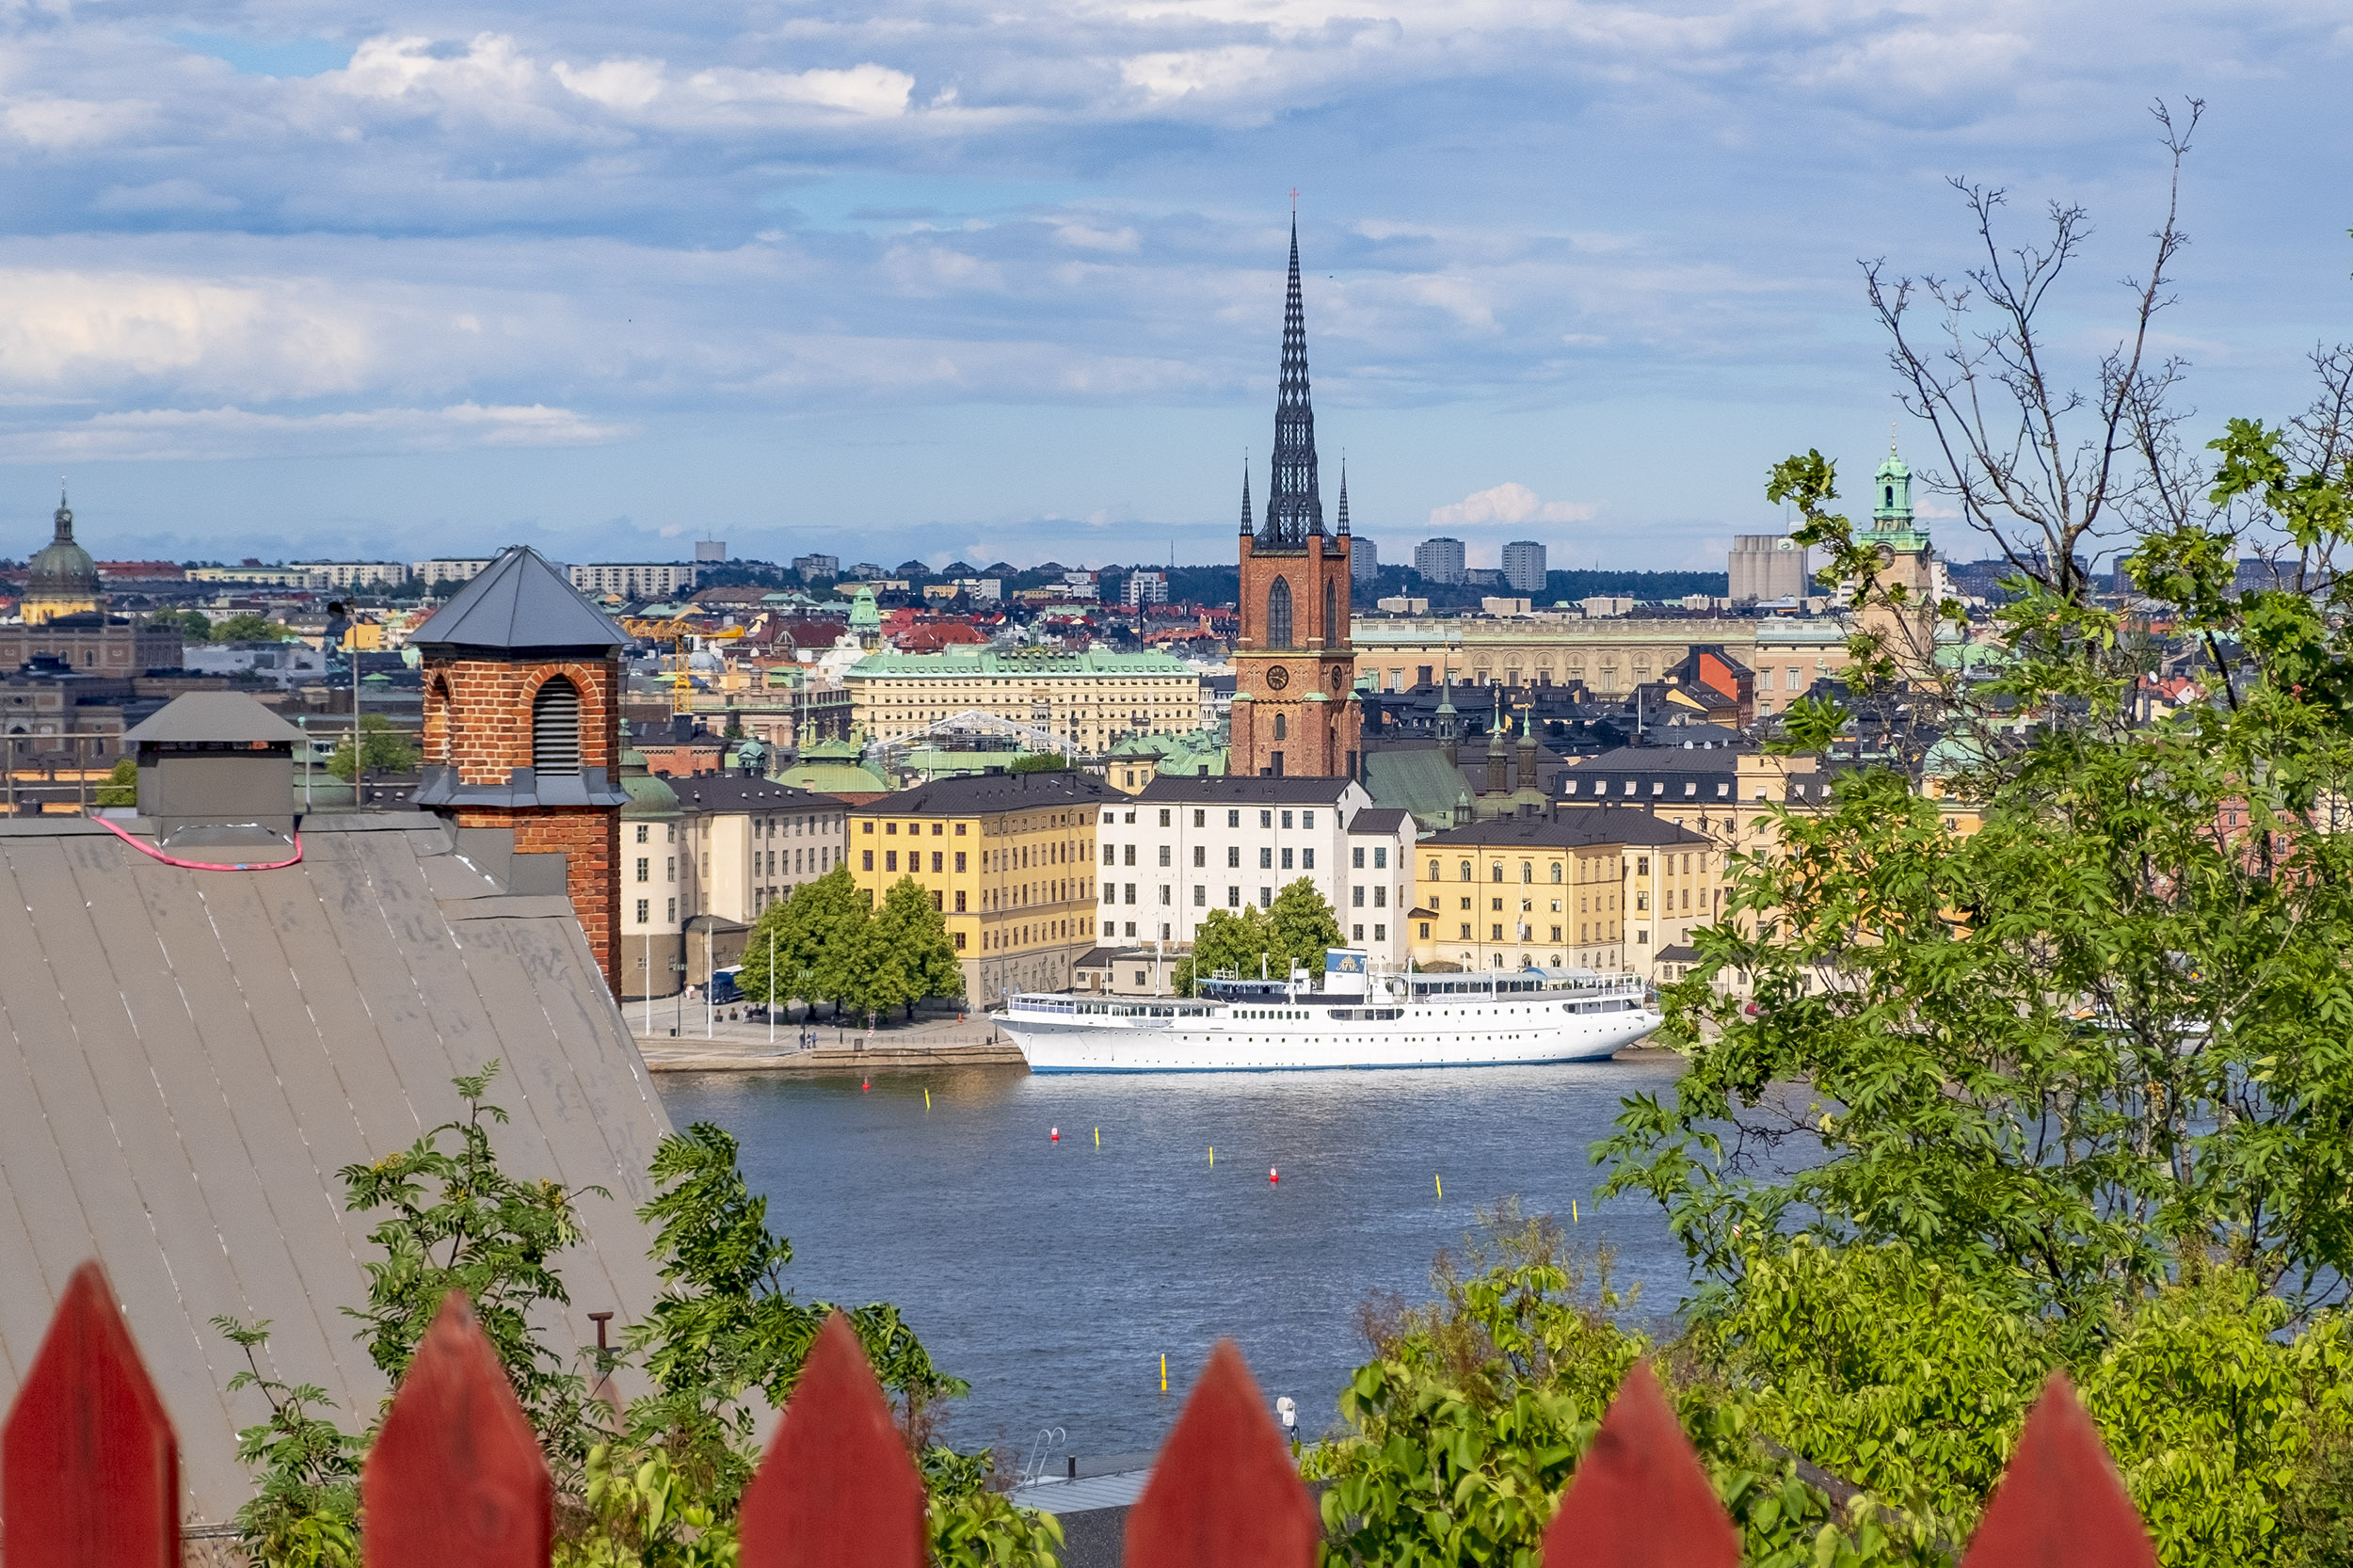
(519, 602)
(187, 1057)
(213, 716)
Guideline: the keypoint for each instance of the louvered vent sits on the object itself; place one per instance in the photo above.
(555, 730)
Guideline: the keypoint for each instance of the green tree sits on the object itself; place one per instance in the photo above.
(1302, 926)
(1039, 762)
(911, 930)
(1228, 942)
(194, 625)
(246, 627)
(815, 936)
(1292, 932)
(383, 749)
(123, 785)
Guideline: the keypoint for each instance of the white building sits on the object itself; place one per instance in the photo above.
(817, 566)
(1524, 566)
(635, 578)
(983, 590)
(449, 569)
(1186, 846)
(1439, 560)
(355, 574)
(710, 550)
(1364, 559)
(1146, 587)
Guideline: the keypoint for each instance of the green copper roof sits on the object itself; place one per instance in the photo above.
(963, 666)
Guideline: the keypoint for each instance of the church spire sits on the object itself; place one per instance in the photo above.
(1294, 504)
(64, 518)
(1343, 492)
(1245, 492)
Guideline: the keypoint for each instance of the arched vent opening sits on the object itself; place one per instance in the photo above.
(1278, 615)
(555, 729)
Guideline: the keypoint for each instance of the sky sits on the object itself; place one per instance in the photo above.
(948, 279)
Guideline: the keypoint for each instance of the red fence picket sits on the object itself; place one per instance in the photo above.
(455, 1478)
(1223, 1493)
(90, 1473)
(835, 1488)
(2059, 1501)
(1638, 1499)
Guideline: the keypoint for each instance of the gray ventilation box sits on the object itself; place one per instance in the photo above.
(215, 770)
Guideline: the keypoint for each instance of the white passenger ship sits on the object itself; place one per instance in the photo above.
(1355, 1018)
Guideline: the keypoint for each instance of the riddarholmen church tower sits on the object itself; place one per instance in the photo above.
(1295, 711)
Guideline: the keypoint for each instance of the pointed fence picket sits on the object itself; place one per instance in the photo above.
(90, 1473)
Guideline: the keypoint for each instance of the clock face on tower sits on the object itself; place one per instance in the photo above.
(1277, 678)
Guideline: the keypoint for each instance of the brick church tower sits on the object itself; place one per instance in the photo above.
(522, 725)
(1295, 709)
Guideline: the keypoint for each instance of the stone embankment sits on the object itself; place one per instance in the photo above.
(927, 1044)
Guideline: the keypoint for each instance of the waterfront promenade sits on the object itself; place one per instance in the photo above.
(941, 1039)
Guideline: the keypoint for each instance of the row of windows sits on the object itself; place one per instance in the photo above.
(646, 905)
(1233, 818)
(797, 861)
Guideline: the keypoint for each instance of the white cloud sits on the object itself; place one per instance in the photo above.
(149, 435)
(165, 195)
(1509, 504)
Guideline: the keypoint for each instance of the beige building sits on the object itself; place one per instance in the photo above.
(753, 841)
(1008, 858)
(1604, 890)
(1610, 656)
(1087, 700)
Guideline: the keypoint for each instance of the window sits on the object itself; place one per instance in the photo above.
(1381, 858)
(867, 855)
(1200, 895)
(1110, 892)
(644, 868)
(1642, 902)
(1356, 858)
(1266, 858)
(1467, 936)
(1642, 865)
(1330, 614)
(866, 826)
(1282, 732)
(1434, 870)
(556, 729)
(938, 861)
(1307, 859)
(1168, 894)
(1380, 933)
(1266, 819)
(959, 903)
(642, 831)
(1266, 898)
(959, 935)
(1355, 932)
(673, 908)
(891, 859)
(935, 898)
(645, 910)
(1306, 819)
(1278, 614)
(1164, 851)
(1130, 891)
(1287, 819)
(1286, 859)
(1200, 819)
(1381, 898)
(1466, 871)
(959, 831)
(1233, 897)
(1495, 933)
(1494, 871)
(890, 828)
(669, 869)
(959, 865)
(1527, 872)
(1108, 853)
(1131, 857)
(1200, 855)
(1163, 816)
(1233, 855)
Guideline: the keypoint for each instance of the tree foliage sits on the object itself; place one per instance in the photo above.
(828, 945)
(1292, 932)
(382, 750)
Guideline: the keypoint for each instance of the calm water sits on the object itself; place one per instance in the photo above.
(1054, 1276)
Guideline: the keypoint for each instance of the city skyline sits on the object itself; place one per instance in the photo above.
(1577, 276)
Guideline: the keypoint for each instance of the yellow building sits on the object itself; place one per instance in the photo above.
(1088, 701)
(1609, 655)
(1008, 860)
(1606, 890)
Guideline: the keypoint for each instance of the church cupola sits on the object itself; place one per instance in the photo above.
(1891, 495)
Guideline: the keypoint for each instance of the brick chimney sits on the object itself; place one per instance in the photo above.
(523, 683)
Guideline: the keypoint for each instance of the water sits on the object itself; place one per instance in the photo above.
(1053, 1275)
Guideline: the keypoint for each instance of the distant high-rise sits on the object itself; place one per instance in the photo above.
(1439, 560)
(1364, 560)
(710, 550)
(817, 566)
(1524, 566)
(1766, 567)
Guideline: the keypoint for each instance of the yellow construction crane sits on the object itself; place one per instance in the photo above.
(675, 633)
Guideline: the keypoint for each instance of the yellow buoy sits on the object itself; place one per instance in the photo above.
(1441, 1181)
(1163, 1372)
(1212, 1156)
(1573, 1214)
(927, 1099)
(1098, 1137)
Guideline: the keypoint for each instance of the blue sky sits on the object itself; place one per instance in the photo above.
(940, 278)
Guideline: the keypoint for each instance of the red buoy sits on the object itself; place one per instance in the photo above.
(1273, 1176)
(1053, 1135)
(863, 1086)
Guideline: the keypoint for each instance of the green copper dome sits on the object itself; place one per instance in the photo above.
(62, 568)
(648, 796)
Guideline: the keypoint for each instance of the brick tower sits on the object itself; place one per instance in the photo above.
(1295, 709)
(522, 681)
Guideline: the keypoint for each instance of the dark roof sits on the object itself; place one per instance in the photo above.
(1379, 819)
(973, 795)
(213, 716)
(725, 791)
(1294, 791)
(519, 602)
(1679, 955)
(1578, 830)
(189, 1057)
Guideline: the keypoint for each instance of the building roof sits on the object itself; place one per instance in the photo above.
(214, 718)
(187, 1057)
(1576, 830)
(1379, 819)
(519, 602)
(1415, 778)
(982, 795)
(1237, 788)
(725, 791)
(62, 568)
(963, 666)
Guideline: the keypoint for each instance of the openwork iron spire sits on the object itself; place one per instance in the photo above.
(1294, 506)
(1343, 492)
(1245, 494)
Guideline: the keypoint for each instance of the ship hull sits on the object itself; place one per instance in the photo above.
(1515, 1033)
